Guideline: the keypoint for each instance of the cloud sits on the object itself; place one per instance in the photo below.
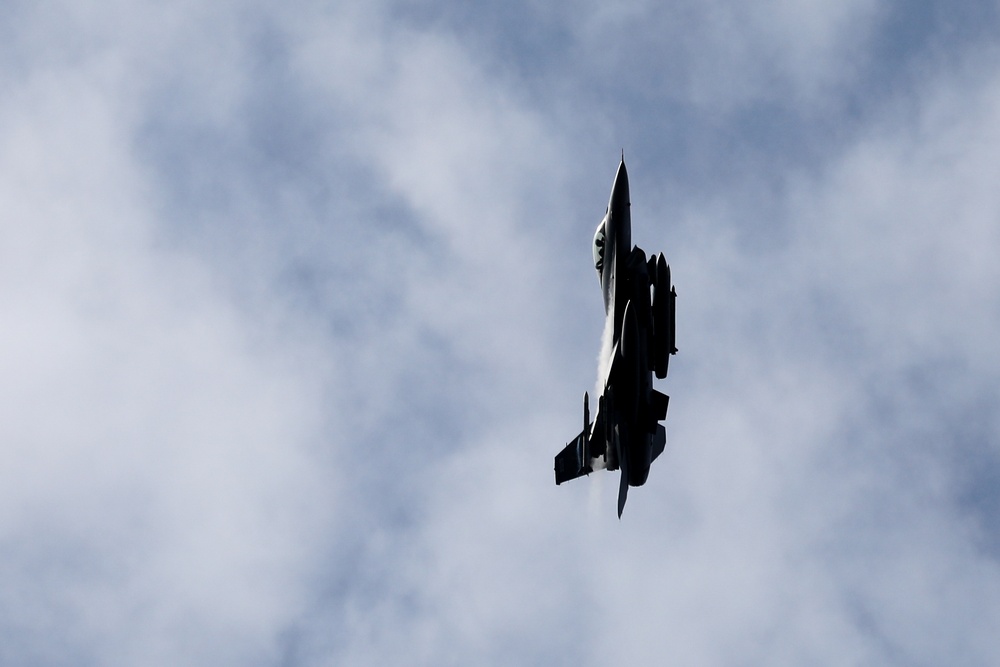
(855, 362)
(157, 473)
(298, 306)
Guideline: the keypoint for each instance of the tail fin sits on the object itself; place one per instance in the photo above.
(622, 493)
(623, 485)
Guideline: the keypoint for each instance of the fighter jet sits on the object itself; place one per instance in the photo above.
(639, 303)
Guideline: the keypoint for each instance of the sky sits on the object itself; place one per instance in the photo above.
(297, 305)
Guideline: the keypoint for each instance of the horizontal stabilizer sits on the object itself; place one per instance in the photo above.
(659, 442)
(574, 460)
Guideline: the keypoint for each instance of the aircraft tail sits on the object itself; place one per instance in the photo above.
(623, 464)
(574, 460)
(623, 486)
(659, 442)
(590, 450)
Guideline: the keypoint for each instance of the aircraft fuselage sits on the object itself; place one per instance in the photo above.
(639, 306)
(618, 238)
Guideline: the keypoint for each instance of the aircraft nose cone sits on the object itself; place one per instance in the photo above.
(620, 190)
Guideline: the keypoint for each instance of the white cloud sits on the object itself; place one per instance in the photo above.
(294, 306)
(158, 465)
(721, 56)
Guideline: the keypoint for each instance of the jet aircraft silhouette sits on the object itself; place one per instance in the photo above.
(639, 302)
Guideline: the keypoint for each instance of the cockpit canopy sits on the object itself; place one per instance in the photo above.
(599, 245)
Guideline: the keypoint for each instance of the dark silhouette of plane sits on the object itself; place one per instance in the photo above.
(638, 340)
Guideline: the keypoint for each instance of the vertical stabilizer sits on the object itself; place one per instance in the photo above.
(623, 485)
(622, 493)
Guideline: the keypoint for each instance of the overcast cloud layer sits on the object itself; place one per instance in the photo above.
(297, 305)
